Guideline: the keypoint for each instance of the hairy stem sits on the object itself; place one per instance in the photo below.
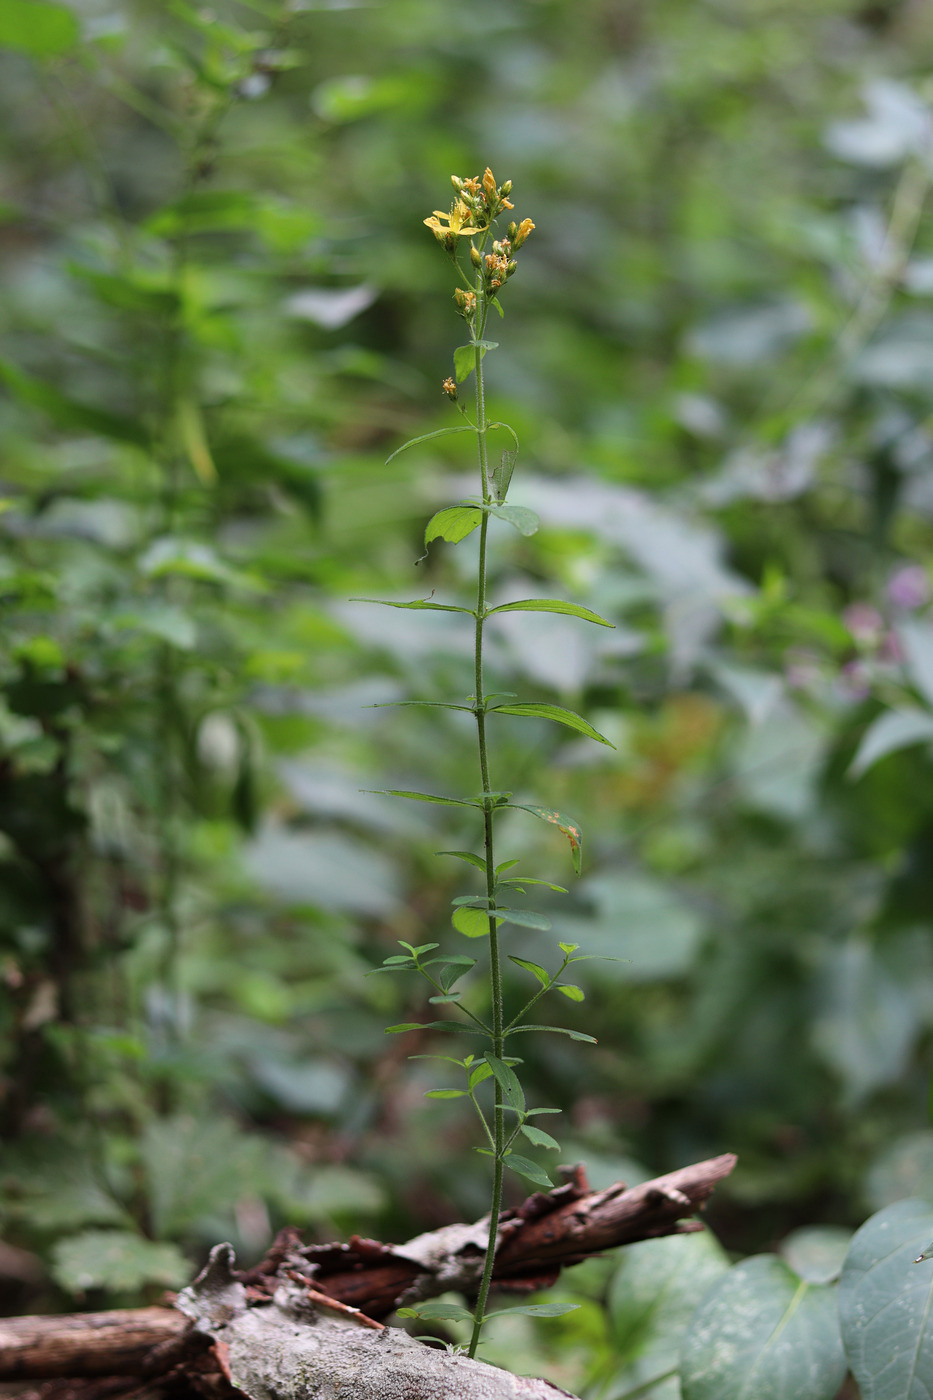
(495, 968)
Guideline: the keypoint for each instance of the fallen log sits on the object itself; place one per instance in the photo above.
(330, 1294)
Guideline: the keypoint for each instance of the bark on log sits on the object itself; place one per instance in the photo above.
(545, 1234)
(292, 1349)
(84, 1344)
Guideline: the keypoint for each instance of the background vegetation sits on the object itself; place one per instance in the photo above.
(221, 312)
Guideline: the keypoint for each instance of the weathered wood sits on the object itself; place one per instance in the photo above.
(84, 1344)
(547, 1233)
(294, 1348)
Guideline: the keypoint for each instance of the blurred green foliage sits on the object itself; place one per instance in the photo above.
(221, 313)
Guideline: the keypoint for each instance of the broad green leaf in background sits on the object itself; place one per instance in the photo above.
(895, 729)
(903, 1169)
(552, 605)
(37, 27)
(886, 1304)
(761, 1331)
(559, 714)
(651, 1299)
(816, 1252)
(118, 1261)
(453, 524)
(67, 412)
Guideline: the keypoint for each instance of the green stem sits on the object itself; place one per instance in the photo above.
(495, 968)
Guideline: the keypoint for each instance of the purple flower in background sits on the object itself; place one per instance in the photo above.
(803, 669)
(865, 623)
(854, 681)
(909, 587)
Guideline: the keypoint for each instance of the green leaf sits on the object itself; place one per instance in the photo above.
(37, 27)
(557, 713)
(445, 999)
(522, 918)
(453, 970)
(427, 437)
(446, 1094)
(465, 357)
(438, 1312)
(502, 474)
(896, 729)
(886, 1304)
(519, 517)
(571, 991)
(556, 1030)
(117, 1260)
(418, 605)
(478, 1075)
(563, 823)
(816, 1252)
(520, 880)
(535, 1310)
(468, 856)
(508, 1081)
(551, 605)
(422, 797)
(429, 704)
(453, 524)
(650, 1302)
(541, 973)
(472, 923)
(433, 1026)
(523, 1167)
(66, 412)
(540, 1138)
(760, 1330)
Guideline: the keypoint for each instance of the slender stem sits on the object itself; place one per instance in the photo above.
(495, 968)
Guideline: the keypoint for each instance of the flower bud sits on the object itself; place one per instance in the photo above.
(489, 184)
(511, 268)
(475, 256)
(521, 233)
(456, 182)
(506, 188)
(512, 231)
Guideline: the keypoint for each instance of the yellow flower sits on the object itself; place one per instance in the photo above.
(521, 232)
(459, 223)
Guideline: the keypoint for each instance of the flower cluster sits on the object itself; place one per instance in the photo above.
(478, 202)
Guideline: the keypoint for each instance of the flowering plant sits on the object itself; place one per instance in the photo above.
(472, 222)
